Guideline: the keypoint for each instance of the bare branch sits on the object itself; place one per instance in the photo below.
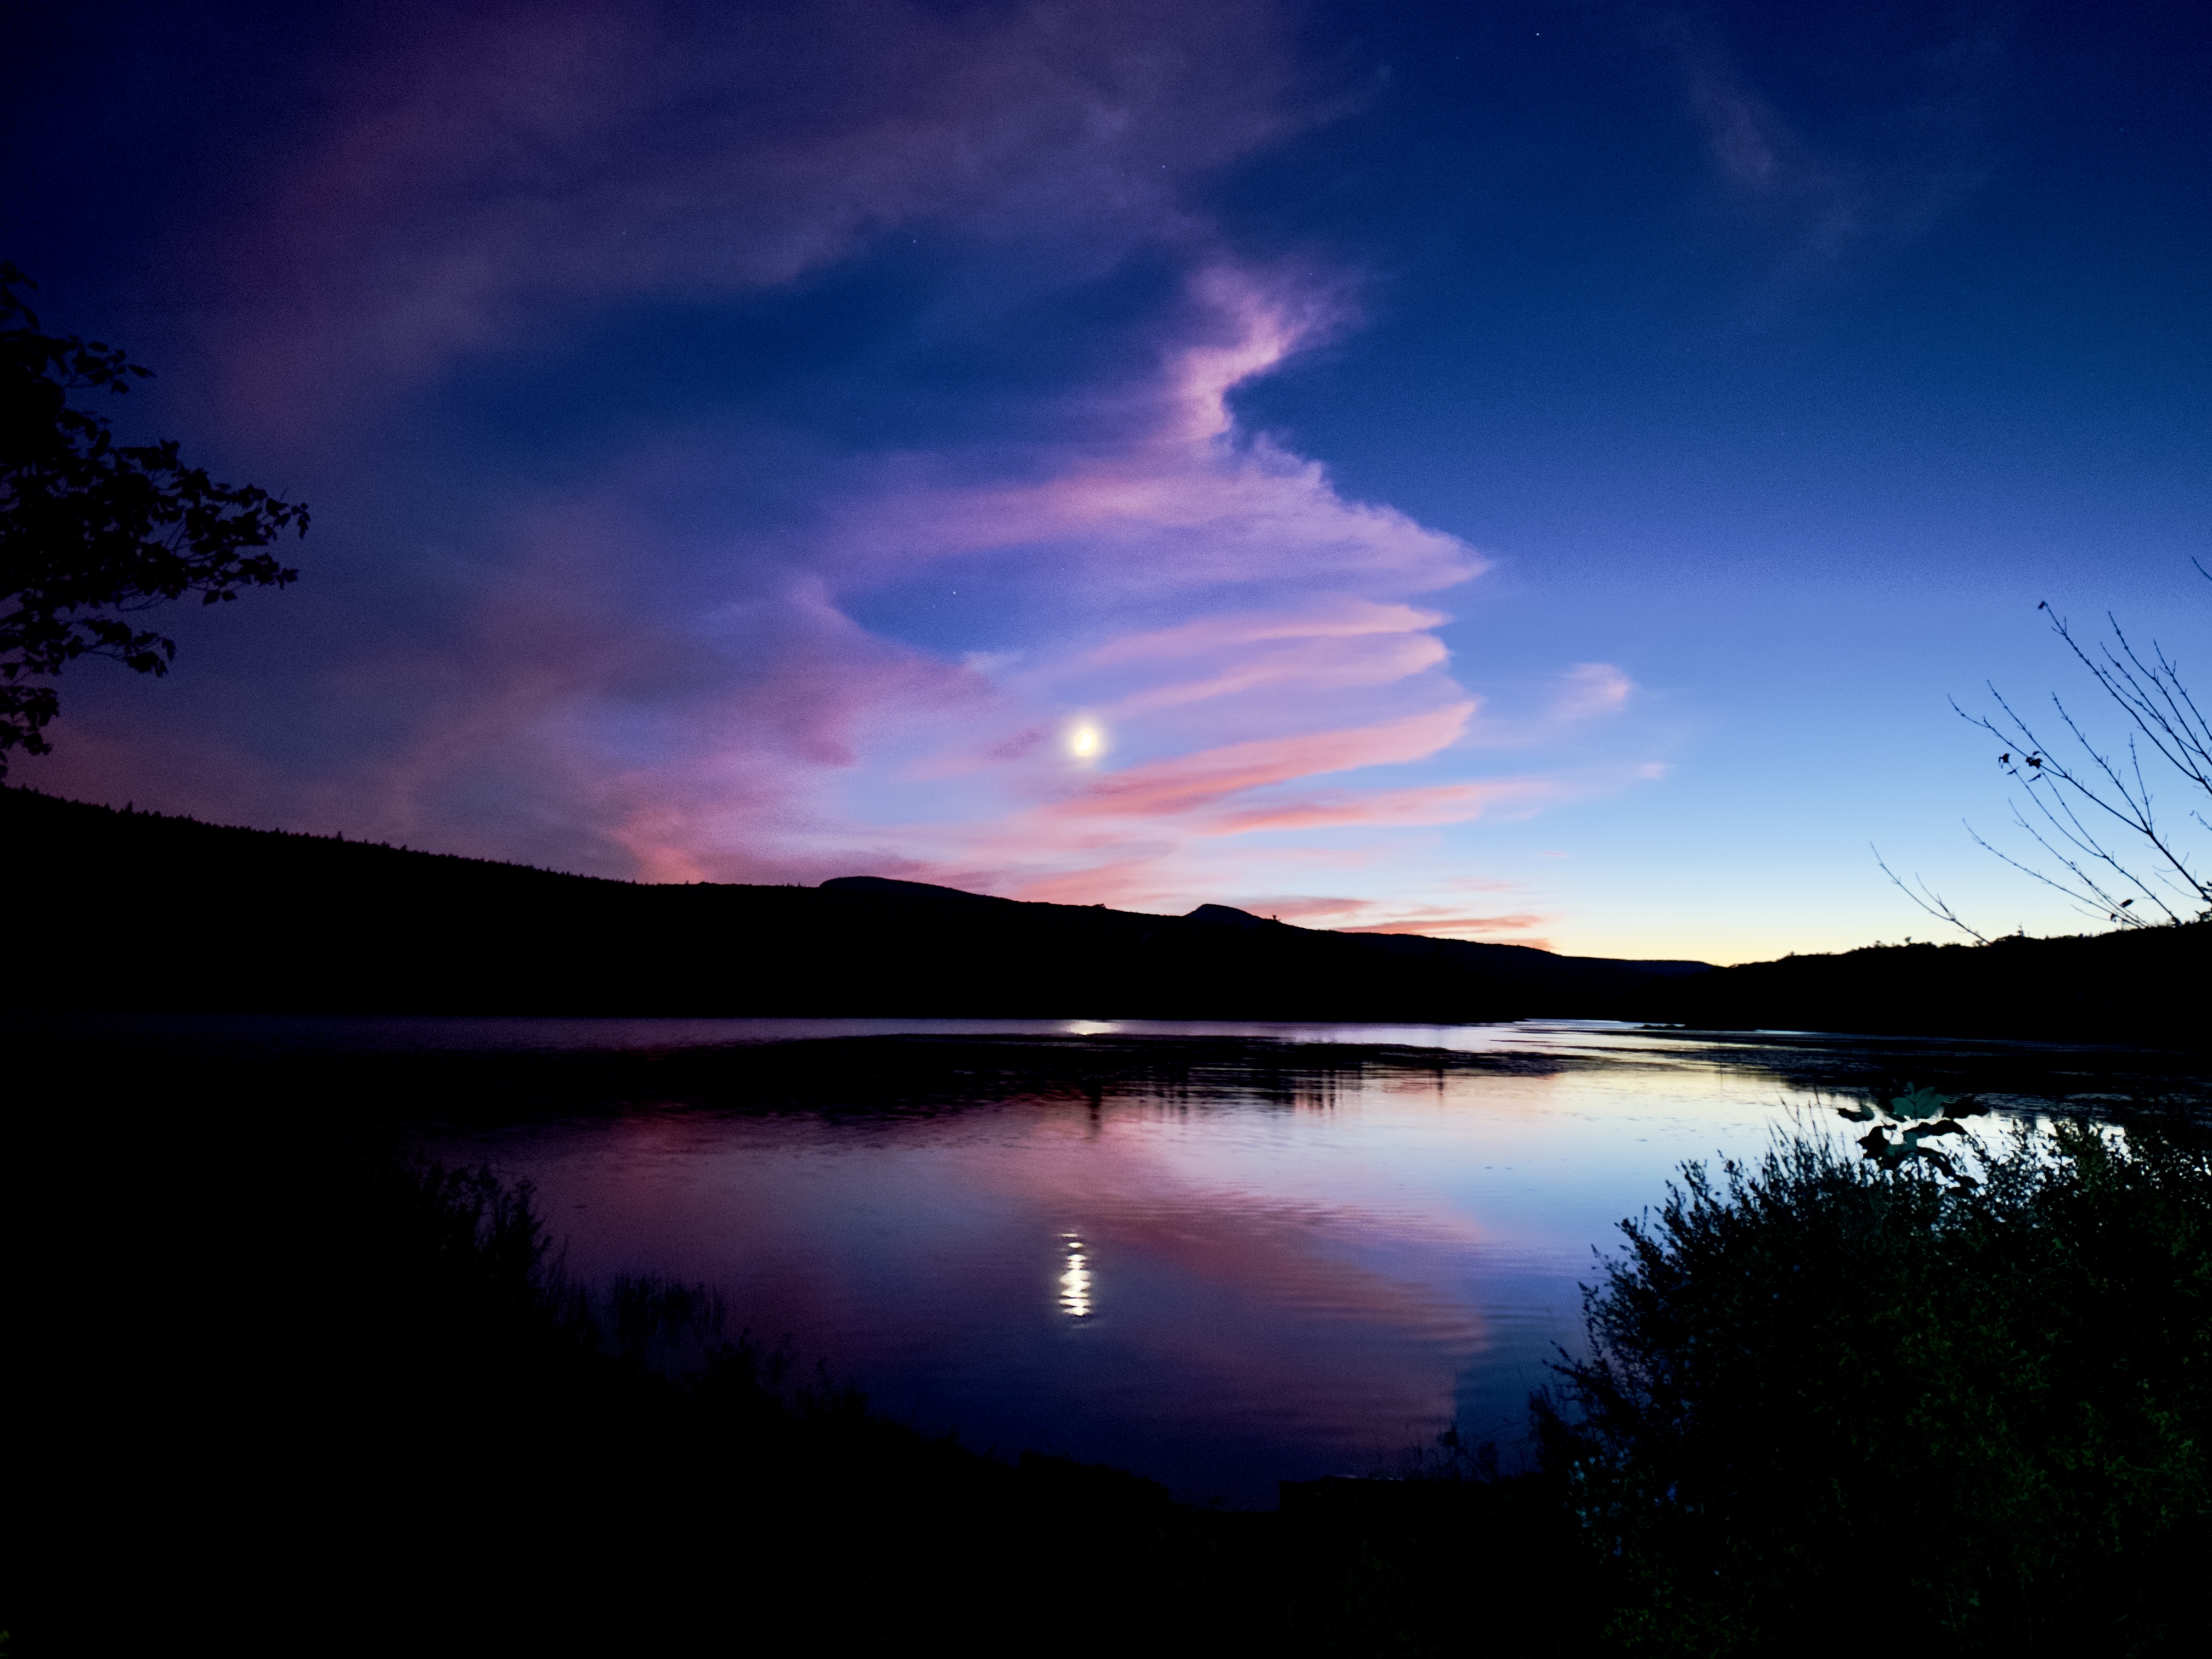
(1928, 899)
(2085, 806)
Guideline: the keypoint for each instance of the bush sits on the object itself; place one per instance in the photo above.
(1823, 1388)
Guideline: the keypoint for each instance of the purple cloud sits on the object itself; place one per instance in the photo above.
(483, 179)
(1225, 675)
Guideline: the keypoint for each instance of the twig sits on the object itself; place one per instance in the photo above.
(1928, 899)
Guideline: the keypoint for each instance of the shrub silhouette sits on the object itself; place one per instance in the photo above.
(1819, 1383)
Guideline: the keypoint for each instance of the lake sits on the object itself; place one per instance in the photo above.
(1221, 1256)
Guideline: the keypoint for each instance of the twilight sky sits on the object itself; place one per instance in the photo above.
(1530, 471)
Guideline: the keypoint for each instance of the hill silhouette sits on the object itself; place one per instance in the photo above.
(123, 910)
(142, 911)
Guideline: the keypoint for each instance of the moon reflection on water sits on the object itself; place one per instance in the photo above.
(1075, 1282)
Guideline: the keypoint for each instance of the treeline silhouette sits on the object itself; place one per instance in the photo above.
(2145, 985)
(138, 910)
(142, 911)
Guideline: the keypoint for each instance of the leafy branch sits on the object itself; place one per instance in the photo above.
(93, 531)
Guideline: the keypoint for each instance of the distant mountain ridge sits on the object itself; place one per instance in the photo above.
(116, 910)
(1225, 915)
(144, 911)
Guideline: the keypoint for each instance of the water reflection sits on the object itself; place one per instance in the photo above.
(1322, 1250)
(1075, 1282)
(1318, 1263)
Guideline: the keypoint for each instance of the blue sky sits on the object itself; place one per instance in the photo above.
(1529, 472)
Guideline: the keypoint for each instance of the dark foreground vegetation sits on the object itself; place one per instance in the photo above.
(1975, 1416)
(367, 1411)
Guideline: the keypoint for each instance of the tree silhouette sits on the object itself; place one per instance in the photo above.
(92, 532)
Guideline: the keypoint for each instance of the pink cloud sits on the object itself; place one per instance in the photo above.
(842, 711)
(1373, 915)
(1433, 926)
(1592, 688)
(1312, 665)
(1134, 883)
(1445, 803)
(1342, 643)
(1189, 782)
(1341, 618)
(1232, 624)
(1175, 497)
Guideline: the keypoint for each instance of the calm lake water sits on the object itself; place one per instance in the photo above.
(1217, 1283)
(1294, 1251)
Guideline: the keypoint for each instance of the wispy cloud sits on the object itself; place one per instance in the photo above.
(489, 176)
(663, 666)
(1918, 145)
(1514, 928)
(1204, 780)
(1592, 688)
(1291, 616)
